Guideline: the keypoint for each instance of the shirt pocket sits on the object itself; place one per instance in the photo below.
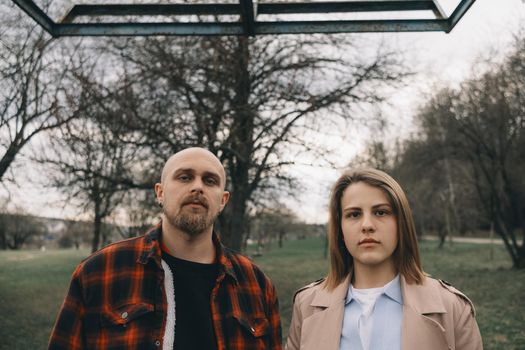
(257, 327)
(126, 314)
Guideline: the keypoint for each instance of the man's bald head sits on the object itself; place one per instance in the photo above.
(188, 155)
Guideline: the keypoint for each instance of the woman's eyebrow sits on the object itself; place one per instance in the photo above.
(351, 208)
(381, 205)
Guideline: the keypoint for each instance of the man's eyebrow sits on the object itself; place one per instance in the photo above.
(192, 171)
(183, 170)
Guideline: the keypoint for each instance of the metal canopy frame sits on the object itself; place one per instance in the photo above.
(248, 25)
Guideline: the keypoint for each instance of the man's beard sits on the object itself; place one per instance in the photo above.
(191, 223)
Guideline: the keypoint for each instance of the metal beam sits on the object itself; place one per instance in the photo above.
(148, 29)
(345, 6)
(37, 14)
(459, 12)
(234, 9)
(235, 28)
(371, 26)
(438, 10)
(247, 17)
(247, 24)
(150, 10)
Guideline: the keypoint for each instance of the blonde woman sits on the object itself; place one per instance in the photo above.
(376, 295)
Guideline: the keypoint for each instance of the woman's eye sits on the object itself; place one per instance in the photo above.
(353, 214)
(381, 212)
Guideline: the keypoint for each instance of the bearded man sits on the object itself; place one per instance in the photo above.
(176, 287)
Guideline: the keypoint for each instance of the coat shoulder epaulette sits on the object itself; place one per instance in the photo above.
(308, 286)
(455, 291)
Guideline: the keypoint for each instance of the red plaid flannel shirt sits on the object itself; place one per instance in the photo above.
(116, 300)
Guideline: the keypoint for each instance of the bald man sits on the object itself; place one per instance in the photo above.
(177, 287)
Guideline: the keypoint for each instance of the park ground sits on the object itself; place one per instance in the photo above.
(33, 284)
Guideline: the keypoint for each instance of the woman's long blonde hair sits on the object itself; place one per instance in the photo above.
(406, 255)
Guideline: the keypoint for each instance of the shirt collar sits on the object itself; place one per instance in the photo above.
(151, 250)
(392, 290)
(150, 247)
(223, 258)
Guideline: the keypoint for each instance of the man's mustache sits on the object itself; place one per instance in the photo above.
(198, 199)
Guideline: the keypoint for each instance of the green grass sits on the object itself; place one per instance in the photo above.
(33, 284)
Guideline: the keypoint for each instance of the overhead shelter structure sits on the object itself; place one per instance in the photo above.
(246, 17)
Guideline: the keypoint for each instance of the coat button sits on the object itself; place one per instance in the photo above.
(124, 315)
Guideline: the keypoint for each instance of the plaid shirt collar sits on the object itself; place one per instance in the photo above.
(151, 250)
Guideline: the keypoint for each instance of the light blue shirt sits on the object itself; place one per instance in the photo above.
(386, 320)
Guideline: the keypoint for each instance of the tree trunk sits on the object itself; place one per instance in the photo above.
(10, 155)
(97, 227)
(281, 237)
(504, 234)
(233, 222)
(3, 241)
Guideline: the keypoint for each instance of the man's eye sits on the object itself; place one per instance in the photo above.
(210, 181)
(184, 178)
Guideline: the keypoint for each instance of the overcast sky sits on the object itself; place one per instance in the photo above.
(438, 58)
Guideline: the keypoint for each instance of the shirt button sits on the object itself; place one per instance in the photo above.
(252, 329)
(157, 342)
(124, 315)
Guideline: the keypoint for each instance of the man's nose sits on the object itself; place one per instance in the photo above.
(197, 185)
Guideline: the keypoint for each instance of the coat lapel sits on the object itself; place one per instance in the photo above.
(420, 330)
(322, 330)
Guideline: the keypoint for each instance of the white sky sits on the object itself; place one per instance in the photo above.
(438, 58)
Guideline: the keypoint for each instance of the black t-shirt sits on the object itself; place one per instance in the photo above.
(193, 283)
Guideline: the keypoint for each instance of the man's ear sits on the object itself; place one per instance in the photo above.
(159, 193)
(224, 199)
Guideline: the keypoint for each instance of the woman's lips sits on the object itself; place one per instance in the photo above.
(368, 241)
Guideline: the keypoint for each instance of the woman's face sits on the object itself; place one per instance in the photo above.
(369, 226)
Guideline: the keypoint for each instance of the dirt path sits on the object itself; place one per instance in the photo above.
(495, 240)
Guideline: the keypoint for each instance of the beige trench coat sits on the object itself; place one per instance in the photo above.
(436, 316)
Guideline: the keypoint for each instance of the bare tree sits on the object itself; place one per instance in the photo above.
(90, 161)
(271, 224)
(75, 233)
(17, 228)
(248, 100)
(475, 135)
(32, 84)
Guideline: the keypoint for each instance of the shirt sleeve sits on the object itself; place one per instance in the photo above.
(67, 331)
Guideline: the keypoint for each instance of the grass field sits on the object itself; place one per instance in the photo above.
(33, 283)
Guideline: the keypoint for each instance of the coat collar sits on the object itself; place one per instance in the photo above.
(422, 298)
(421, 328)
(322, 330)
(326, 298)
